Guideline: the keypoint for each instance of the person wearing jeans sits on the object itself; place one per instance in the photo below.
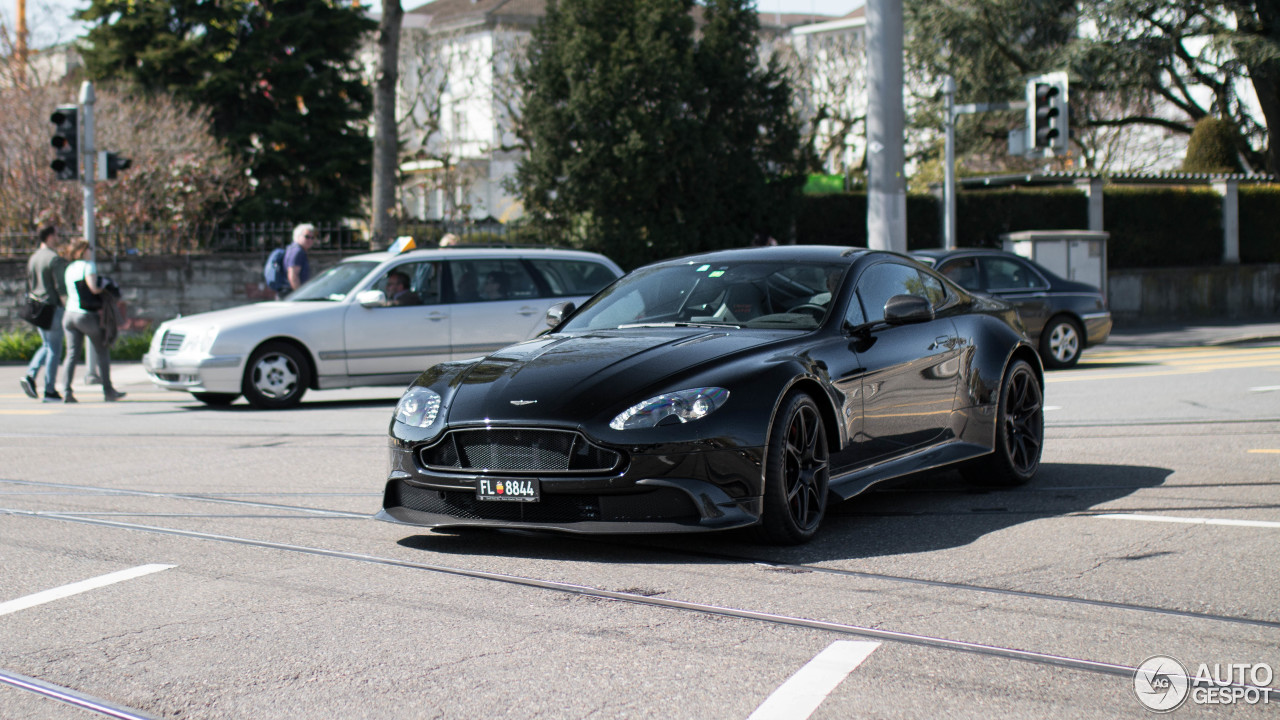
(46, 273)
(80, 323)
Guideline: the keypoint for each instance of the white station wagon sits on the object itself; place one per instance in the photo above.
(340, 330)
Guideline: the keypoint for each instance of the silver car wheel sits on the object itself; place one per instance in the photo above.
(1064, 342)
(275, 375)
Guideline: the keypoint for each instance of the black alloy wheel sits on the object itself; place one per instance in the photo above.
(1061, 343)
(215, 399)
(276, 377)
(1019, 432)
(797, 473)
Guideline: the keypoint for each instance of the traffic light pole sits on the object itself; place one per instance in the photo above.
(87, 157)
(952, 111)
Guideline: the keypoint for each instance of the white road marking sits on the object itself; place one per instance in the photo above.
(1052, 407)
(803, 692)
(76, 588)
(1191, 521)
(1265, 388)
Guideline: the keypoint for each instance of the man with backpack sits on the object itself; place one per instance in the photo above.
(287, 268)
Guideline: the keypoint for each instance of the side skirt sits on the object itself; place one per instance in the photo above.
(858, 481)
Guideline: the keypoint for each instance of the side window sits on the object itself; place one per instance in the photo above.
(1005, 274)
(489, 280)
(572, 277)
(963, 272)
(881, 282)
(423, 280)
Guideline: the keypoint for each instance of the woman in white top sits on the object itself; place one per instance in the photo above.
(80, 323)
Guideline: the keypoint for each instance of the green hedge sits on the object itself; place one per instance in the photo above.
(841, 219)
(1162, 226)
(1260, 224)
(982, 216)
(1149, 226)
(21, 345)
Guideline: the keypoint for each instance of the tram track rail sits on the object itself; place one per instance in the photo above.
(916, 639)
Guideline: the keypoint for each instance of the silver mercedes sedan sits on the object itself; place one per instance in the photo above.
(373, 319)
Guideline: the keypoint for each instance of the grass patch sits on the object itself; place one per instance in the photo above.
(21, 345)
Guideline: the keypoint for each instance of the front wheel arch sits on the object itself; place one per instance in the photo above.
(796, 472)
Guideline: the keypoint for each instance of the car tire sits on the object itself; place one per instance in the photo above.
(276, 377)
(1061, 343)
(215, 399)
(796, 475)
(1019, 432)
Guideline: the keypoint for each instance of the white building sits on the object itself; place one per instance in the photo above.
(457, 100)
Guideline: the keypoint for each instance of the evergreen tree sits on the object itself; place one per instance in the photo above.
(645, 143)
(1213, 148)
(280, 78)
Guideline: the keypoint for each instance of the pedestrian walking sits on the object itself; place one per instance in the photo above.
(47, 281)
(82, 320)
(296, 263)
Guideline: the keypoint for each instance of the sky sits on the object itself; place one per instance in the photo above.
(50, 20)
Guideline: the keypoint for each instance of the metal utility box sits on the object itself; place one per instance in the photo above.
(1079, 255)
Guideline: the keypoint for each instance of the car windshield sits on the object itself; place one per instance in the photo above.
(745, 294)
(333, 284)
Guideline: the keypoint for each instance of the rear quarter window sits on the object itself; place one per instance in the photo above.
(567, 278)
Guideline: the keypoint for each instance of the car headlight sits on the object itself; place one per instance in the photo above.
(418, 407)
(671, 408)
(199, 341)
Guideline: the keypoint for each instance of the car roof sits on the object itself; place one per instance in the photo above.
(462, 251)
(778, 253)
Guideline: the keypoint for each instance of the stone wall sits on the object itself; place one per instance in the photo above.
(158, 288)
(1221, 292)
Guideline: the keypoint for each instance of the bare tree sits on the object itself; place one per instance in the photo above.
(828, 75)
(180, 176)
(443, 77)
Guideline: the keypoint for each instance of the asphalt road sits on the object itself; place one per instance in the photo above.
(236, 572)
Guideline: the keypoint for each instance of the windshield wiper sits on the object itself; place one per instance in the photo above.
(679, 324)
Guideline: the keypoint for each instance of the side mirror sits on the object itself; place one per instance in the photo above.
(906, 309)
(558, 312)
(372, 298)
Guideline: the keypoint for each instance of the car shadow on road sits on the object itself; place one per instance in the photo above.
(922, 513)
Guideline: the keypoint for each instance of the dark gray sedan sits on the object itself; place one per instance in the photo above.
(1062, 317)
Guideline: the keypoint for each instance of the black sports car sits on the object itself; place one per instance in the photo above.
(731, 389)
(1062, 317)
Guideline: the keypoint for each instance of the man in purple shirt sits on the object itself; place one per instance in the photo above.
(296, 264)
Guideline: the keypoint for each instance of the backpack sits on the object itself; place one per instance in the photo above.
(274, 273)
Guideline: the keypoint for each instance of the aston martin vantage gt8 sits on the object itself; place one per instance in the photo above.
(725, 390)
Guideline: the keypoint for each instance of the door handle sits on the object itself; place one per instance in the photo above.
(527, 311)
(437, 317)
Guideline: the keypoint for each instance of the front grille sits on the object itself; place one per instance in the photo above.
(518, 450)
(655, 505)
(171, 342)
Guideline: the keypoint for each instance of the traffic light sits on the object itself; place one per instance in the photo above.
(1047, 114)
(110, 165)
(66, 144)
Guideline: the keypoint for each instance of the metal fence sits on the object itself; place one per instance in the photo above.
(343, 238)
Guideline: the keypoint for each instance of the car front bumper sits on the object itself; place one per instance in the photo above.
(195, 373)
(662, 492)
